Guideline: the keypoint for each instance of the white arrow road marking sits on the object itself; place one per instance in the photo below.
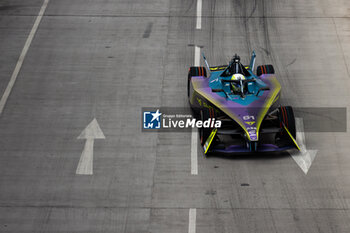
(90, 133)
(192, 221)
(304, 157)
(21, 57)
(199, 14)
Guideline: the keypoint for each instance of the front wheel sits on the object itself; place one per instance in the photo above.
(286, 116)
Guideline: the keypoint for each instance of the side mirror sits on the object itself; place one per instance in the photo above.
(262, 89)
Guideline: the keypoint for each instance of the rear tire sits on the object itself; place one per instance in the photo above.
(265, 69)
(195, 71)
(286, 115)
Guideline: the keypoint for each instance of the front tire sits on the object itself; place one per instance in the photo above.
(286, 115)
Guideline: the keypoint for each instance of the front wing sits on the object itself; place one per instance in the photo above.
(242, 149)
(208, 147)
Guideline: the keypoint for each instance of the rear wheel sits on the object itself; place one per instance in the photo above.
(265, 69)
(286, 116)
(195, 71)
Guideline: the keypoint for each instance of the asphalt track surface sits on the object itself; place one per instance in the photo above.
(107, 59)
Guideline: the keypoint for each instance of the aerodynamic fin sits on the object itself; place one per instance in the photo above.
(290, 135)
(252, 61)
(205, 60)
(209, 140)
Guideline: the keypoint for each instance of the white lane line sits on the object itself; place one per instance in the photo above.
(194, 134)
(304, 157)
(90, 133)
(194, 154)
(197, 56)
(199, 14)
(21, 57)
(192, 220)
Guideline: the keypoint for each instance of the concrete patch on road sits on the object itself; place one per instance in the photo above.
(148, 31)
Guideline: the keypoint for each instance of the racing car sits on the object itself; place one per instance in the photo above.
(246, 103)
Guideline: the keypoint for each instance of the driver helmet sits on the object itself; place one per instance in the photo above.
(238, 77)
(236, 87)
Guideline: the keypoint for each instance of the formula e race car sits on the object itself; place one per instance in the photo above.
(247, 105)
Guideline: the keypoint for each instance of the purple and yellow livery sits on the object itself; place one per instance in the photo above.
(246, 103)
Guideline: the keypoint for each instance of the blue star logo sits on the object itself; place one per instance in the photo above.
(151, 120)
